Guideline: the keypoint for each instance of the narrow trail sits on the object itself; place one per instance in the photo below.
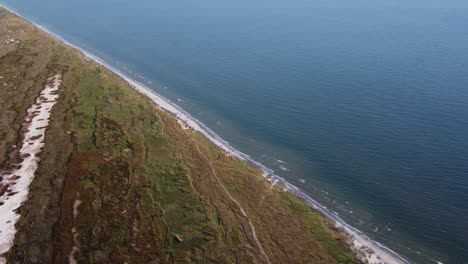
(244, 214)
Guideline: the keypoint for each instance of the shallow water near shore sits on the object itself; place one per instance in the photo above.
(363, 105)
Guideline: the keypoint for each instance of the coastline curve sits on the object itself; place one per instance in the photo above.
(370, 250)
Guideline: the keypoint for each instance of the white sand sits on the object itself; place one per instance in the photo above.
(76, 248)
(371, 250)
(19, 178)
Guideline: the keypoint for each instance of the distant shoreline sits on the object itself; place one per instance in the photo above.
(368, 249)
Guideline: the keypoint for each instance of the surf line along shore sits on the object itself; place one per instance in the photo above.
(20, 169)
(366, 249)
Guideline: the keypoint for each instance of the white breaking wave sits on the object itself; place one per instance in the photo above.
(368, 250)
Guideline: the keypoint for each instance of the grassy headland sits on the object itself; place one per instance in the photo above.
(120, 181)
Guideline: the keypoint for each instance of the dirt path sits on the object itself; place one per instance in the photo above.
(244, 214)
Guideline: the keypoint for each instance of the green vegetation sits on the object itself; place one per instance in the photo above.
(150, 191)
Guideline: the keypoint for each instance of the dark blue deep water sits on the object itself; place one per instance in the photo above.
(361, 103)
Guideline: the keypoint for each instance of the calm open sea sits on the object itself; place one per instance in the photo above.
(363, 104)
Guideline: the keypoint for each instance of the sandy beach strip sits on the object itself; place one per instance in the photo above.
(367, 249)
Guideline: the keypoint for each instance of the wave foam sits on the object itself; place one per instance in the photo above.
(368, 250)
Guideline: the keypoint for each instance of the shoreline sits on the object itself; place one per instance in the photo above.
(366, 248)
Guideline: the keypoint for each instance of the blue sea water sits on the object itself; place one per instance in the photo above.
(362, 104)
